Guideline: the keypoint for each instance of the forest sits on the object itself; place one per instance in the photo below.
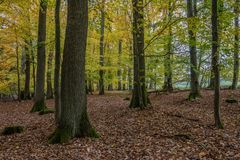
(119, 79)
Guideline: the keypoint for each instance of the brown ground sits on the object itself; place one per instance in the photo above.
(172, 129)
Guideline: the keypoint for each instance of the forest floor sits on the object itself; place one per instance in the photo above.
(172, 129)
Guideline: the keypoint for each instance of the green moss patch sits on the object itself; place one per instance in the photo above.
(46, 111)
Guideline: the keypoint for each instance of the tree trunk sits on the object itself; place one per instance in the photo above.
(139, 96)
(236, 47)
(39, 98)
(57, 61)
(191, 13)
(74, 121)
(101, 71)
(168, 57)
(119, 72)
(27, 94)
(49, 76)
(219, 11)
(18, 70)
(215, 54)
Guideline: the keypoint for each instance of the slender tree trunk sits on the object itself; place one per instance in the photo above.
(27, 94)
(168, 57)
(101, 71)
(219, 11)
(139, 96)
(74, 121)
(49, 76)
(236, 47)
(191, 13)
(119, 73)
(57, 61)
(33, 69)
(130, 83)
(39, 98)
(215, 54)
(18, 70)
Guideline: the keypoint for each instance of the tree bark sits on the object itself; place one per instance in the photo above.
(27, 94)
(18, 69)
(39, 98)
(119, 73)
(101, 71)
(57, 61)
(139, 96)
(74, 121)
(168, 57)
(215, 54)
(236, 47)
(191, 13)
(219, 11)
(49, 76)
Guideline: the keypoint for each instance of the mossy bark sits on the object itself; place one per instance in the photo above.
(64, 133)
(73, 120)
(139, 96)
(38, 106)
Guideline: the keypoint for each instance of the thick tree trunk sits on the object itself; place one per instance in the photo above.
(57, 61)
(139, 96)
(74, 121)
(27, 94)
(236, 47)
(119, 73)
(101, 71)
(49, 76)
(191, 13)
(215, 54)
(39, 98)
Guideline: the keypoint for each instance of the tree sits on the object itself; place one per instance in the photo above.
(215, 57)
(74, 121)
(236, 46)
(119, 63)
(168, 57)
(57, 60)
(39, 98)
(49, 76)
(191, 14)
(101, 71)
(27, 94)
(139, 96)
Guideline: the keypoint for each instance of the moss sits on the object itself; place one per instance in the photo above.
(46, 111)
(38, 106)
(60, 136)
(86, 129)
(126, 99)
(193, 96)
(93, 133)
(12, 130)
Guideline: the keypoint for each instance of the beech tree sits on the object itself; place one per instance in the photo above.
(73, 120)
(39, 97)
(236, 46)
(191, 14)
(139, 96)
(215, 57)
